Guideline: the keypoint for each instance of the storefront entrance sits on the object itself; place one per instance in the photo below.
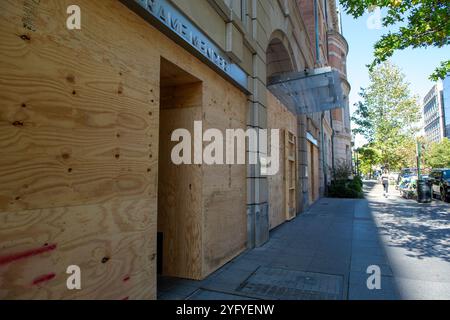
(179, 186)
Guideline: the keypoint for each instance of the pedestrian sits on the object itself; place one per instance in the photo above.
(385, 182)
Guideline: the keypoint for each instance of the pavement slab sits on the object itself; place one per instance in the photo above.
(325, 253)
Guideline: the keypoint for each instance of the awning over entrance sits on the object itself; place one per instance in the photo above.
(310, 91)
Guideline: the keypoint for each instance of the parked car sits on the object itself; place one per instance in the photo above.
(406, 172)
(403, 184)
(408, 187)
(439, 181)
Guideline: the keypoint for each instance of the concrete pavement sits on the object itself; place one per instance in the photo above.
(417, 241)
(325, 252)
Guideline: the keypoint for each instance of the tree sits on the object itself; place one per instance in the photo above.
(423, 23)
(368, 158)
(407, 152)
(387, 116)
(438, 154)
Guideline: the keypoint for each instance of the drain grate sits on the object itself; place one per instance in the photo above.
(277, 283)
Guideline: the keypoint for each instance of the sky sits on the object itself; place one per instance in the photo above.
(416, 64)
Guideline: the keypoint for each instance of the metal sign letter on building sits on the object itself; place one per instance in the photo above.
(179, 28)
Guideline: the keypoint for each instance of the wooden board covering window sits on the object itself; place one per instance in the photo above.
(79, 126)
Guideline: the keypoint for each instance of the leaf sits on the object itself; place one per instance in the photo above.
(426, 23)
(387, 116)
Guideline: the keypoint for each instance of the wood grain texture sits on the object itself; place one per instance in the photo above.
(180, 186)
(278, 117)
(224, 186)
(79, 132)
(290, 174)
(76, 116)
(108, 242)
(78, 152)
(313, 172)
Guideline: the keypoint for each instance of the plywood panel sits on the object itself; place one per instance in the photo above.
(278, 117)
(180, 189)
(290, 174)
(310, 169)
(109, 242)
(73, 126)
(79, 140)
(224, 186)
(316, 172)
(313, 173)
(77, 164)
(179, 207)
(225, 227)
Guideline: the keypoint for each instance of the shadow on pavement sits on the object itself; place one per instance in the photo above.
(323, 253)
(416, 239)
(422, 229)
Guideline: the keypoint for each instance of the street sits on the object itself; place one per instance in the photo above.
(325, 252)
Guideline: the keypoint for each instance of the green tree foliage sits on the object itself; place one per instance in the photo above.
(387, 116)
(422, 23)
(368, 158)
(438, 154)
(407, 152)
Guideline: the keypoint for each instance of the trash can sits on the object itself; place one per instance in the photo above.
(423, 192)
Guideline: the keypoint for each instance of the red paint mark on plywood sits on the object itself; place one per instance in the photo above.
(126, 278)
(44, 278)
(25, 254)
(126, 298)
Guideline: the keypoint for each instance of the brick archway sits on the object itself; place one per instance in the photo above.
(279, 57)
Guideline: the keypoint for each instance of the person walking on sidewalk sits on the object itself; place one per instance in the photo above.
(385, 182)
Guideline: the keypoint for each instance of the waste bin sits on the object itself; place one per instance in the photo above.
(423, 192)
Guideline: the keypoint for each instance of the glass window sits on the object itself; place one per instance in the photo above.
(446, 174)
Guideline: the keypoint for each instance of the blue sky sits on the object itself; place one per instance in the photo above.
(416, 64)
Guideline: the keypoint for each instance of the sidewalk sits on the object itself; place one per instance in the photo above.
(322, 254)
(417, 241)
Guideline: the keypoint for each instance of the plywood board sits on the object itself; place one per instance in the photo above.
(279, 117)
(78, 164)
(224, 186)
(109, 242)
(180, 186)
(79, 121)
(290, 174)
